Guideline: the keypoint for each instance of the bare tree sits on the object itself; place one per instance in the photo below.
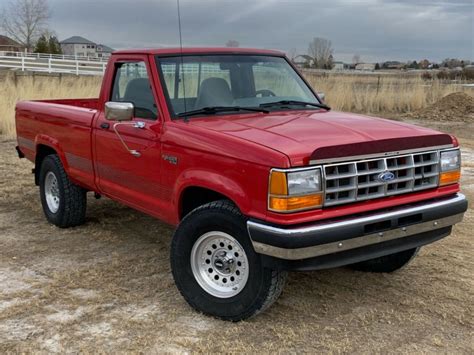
(308, 60)
(356, 59)
(232, 43)
(320, 50)
(25, 20)
(292, 54)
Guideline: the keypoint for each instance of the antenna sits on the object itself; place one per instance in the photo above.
(182, 61)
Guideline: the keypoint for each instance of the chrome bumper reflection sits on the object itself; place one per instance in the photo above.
(359, 241)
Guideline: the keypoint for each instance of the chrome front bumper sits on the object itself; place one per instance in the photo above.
(338, 236)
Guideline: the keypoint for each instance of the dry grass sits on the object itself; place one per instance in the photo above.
(28, 87)
(380, 94)
(358, 93)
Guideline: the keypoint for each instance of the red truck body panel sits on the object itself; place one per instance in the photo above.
(229, 154)
(196, 50)
(300, 133)
(63, 125)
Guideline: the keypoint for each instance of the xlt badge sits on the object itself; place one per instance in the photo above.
(170, 158)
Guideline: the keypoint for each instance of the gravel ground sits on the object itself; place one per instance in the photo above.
(106, 286)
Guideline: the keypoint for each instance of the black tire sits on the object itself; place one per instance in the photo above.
(387, 263)
(72, 198)
(263, 285)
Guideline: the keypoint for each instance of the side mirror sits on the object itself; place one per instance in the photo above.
(322, 96)
(119, 111)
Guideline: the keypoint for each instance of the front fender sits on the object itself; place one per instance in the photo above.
(213, 181)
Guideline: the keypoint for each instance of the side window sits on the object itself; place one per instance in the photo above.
(169, 74)
(131, 84)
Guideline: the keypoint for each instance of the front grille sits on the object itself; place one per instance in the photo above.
(359, 180)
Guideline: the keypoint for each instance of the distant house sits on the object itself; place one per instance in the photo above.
(392, 64)
(78, 46)
(339, 66)
(103, 51)
(365, 66)
(9, 45)
(82, 47)
(303, 61)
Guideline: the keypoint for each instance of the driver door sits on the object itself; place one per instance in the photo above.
(128, 153)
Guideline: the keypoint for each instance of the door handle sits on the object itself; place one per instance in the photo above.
(105, 125)
(134, 152)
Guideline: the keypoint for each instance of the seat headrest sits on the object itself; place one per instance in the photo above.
(214, 92)
(136, 88)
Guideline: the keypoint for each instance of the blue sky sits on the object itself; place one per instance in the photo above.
(377, 30)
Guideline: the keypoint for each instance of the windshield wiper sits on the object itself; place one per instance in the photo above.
(295, 103)
(210, 110)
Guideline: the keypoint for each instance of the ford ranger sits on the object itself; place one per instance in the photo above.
(259, 176)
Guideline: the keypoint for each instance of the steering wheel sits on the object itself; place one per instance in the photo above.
(264, 93)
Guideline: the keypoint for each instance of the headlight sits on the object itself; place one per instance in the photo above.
(294, 190)
(450, 165)
(304, 182)
(450, 160)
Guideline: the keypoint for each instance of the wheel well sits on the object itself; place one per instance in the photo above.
(42, 151)
(193, 197)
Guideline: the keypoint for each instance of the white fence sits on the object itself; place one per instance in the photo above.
(52, 56)
(50, 63)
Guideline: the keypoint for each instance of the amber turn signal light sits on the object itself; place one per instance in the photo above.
(449, 177)
(278, 184)
(288, 203)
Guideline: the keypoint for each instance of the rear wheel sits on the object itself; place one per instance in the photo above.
(387, 263)
(215, 267)
(64, 203)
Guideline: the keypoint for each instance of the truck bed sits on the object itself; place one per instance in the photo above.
(65, 125)
(91, 103)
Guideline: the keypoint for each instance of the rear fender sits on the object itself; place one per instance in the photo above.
(43, 139)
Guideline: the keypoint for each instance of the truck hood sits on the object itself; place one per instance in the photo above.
(319, 135)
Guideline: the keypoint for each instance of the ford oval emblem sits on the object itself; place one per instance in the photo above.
(386, 176)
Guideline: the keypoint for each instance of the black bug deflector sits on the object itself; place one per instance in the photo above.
(381, 146)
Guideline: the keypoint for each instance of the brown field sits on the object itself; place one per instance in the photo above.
(107, 287)
(387, 94)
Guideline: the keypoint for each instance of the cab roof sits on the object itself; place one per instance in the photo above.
(200, 50)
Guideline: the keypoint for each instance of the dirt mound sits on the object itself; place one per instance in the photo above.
(457, 106)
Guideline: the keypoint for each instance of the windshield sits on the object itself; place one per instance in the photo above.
(248, 81)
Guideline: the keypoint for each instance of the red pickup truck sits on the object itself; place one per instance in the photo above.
(260, 177)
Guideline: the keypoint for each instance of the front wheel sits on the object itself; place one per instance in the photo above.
(215, 267)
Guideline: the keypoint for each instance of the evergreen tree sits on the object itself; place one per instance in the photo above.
(42, 45)
(54, 46)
